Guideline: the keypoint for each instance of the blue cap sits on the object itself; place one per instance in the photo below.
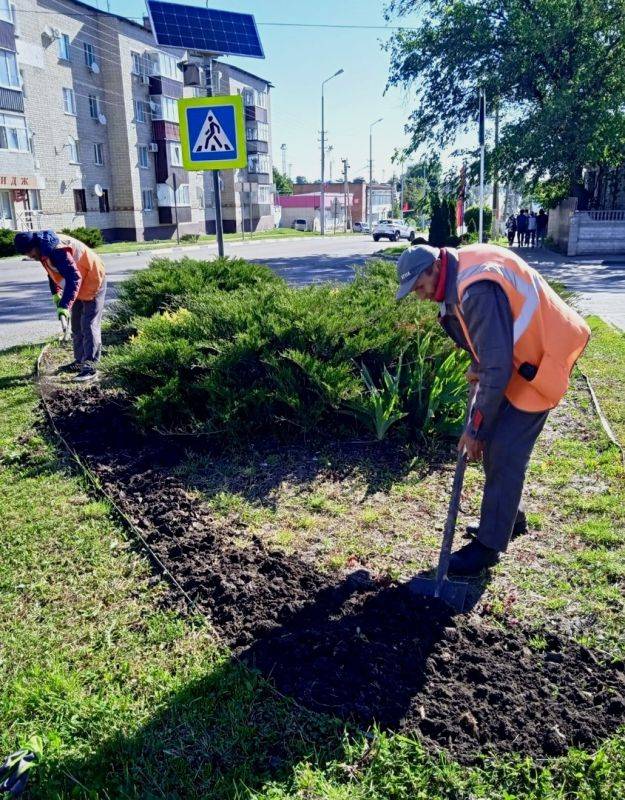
(411, 264)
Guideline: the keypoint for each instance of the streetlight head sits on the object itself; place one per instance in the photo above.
(339, 72)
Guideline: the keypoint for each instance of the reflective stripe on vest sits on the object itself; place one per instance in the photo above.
(89, 265)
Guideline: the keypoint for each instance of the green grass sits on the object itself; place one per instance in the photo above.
(124, 700)
(604, 363)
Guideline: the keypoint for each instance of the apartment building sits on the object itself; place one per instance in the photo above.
(89, 131)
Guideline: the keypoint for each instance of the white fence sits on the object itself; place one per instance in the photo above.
(600, 232)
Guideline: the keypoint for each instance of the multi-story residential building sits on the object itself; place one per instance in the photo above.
(89, 130)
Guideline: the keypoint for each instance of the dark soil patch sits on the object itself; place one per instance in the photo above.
(354, 647)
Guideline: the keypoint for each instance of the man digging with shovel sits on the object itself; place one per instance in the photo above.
(524, 340)
(78, 285)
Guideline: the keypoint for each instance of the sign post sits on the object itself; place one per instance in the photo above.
(212, 137)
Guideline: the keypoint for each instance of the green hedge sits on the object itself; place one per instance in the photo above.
(92, 237)
(7, 248)
(228, 348)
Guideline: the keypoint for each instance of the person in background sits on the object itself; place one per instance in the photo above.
(531, 229)
(521, 227)
(542, 222)
(511, 229)
(78, 284)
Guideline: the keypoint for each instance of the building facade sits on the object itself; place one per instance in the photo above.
(89, 131)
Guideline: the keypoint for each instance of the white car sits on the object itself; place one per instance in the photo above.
(300, 225)
(393, 229)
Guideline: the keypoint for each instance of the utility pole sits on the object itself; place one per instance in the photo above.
(219, 228)
(323, 152)
(345, 191)
(401, 197)
(495, 223)
(371, 171)
(283, 148)
(482, 142)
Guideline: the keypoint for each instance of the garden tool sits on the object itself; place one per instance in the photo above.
(451, 592)
(14, 772)
(65, 330)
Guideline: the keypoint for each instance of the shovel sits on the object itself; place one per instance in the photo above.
(65, 330)
(453, 593)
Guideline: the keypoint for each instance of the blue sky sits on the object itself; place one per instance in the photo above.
(299, 58)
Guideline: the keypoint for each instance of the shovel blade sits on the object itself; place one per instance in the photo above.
(453, 593)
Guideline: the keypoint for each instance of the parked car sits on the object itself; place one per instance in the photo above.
(393, 229)
(300, 225)
(361, 227)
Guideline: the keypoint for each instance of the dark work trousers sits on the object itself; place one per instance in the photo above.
(87, 327)
(506, 456)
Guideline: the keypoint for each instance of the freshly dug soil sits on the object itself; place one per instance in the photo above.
(351, 646)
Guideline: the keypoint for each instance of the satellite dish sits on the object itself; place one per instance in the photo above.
(101, 119)
(48, 32)
(97, 190)
(95, 68)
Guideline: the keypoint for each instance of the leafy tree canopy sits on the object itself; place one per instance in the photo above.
(284, 185)
(555, 67)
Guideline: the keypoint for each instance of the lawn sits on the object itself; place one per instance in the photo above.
(124, 697)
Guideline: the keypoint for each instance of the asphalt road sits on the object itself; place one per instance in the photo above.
(27, 314)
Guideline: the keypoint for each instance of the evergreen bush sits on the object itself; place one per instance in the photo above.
(7, 247)
(92, 237)
(228, 348)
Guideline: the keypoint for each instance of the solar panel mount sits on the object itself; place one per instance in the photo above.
(204, 30)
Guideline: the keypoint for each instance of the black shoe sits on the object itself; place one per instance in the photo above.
(86, 374)
(75, 366)
(471, 559)
(519, 529)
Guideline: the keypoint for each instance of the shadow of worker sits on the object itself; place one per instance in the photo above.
(360, 651)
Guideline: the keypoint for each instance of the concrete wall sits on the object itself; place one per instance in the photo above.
(596, 232)
(560, 222)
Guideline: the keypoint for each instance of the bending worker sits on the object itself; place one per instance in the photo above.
(524, 340)
(78, 285)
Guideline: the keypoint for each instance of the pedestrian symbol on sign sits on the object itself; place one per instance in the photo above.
(212, 137)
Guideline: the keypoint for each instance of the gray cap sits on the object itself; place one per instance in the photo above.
(411, 264)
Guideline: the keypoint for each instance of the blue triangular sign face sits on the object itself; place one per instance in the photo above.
(212, 137)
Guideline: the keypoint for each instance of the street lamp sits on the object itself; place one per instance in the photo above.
(371, 171)
(323, 153)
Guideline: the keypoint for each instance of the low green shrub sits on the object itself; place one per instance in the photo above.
(166, 281)
(190, 237)
(252, 355)
(472, 218)
(92, 237)
(7, 248)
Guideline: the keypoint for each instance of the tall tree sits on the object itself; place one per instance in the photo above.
(555, 67)
(284, 185)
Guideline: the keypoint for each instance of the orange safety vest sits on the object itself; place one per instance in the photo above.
(547, 332)
(89, 265)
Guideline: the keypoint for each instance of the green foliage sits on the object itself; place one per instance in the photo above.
(189, 237)
(443, 222)
(167, 281)
(284, 185)
(554, 67)
(7, 246)
(472, 218)
(230, 349)
(92, 237)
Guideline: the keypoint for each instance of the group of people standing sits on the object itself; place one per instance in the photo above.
(528, 227)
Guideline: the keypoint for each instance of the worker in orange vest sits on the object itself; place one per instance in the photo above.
(78, 284)
(524, 340)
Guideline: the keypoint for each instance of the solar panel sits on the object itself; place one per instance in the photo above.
(205, 29)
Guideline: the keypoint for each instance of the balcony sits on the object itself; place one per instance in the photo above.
(160, 85)
(257, 146)
(167, 214)
(11, 100)
(162, 129)
(256, 113)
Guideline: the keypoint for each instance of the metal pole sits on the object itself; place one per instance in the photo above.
(323, 165)
(482, 137)
(175, 182)
(249, 201)
(401, 199)
(218, 221)
(496, 216)
(345, 193)
(370, 177)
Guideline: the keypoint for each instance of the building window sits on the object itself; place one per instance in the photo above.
(69, 102)
(104, 201)
(73, 150)
(5, 11)
(34, 199)
(248, 97)
(137, 63)
(9, 76)
(80, 201)
(6, 209)
(258, 163)
(140, 111)
(200, 197)
(261, 99)
(94, 106)
(264, 195)
(144, 159)
(63, 45)
(175, 154)
(89, 54)
(167, 66)
(13, 133)
(182, 195)
(165, 108)
(98, 154)
(147, 196)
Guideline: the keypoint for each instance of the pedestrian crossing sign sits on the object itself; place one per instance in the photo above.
(212, 132)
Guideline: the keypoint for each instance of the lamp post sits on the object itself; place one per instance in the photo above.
(371, 172)
(323, 152)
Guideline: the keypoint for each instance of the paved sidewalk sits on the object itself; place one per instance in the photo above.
(599, 281)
